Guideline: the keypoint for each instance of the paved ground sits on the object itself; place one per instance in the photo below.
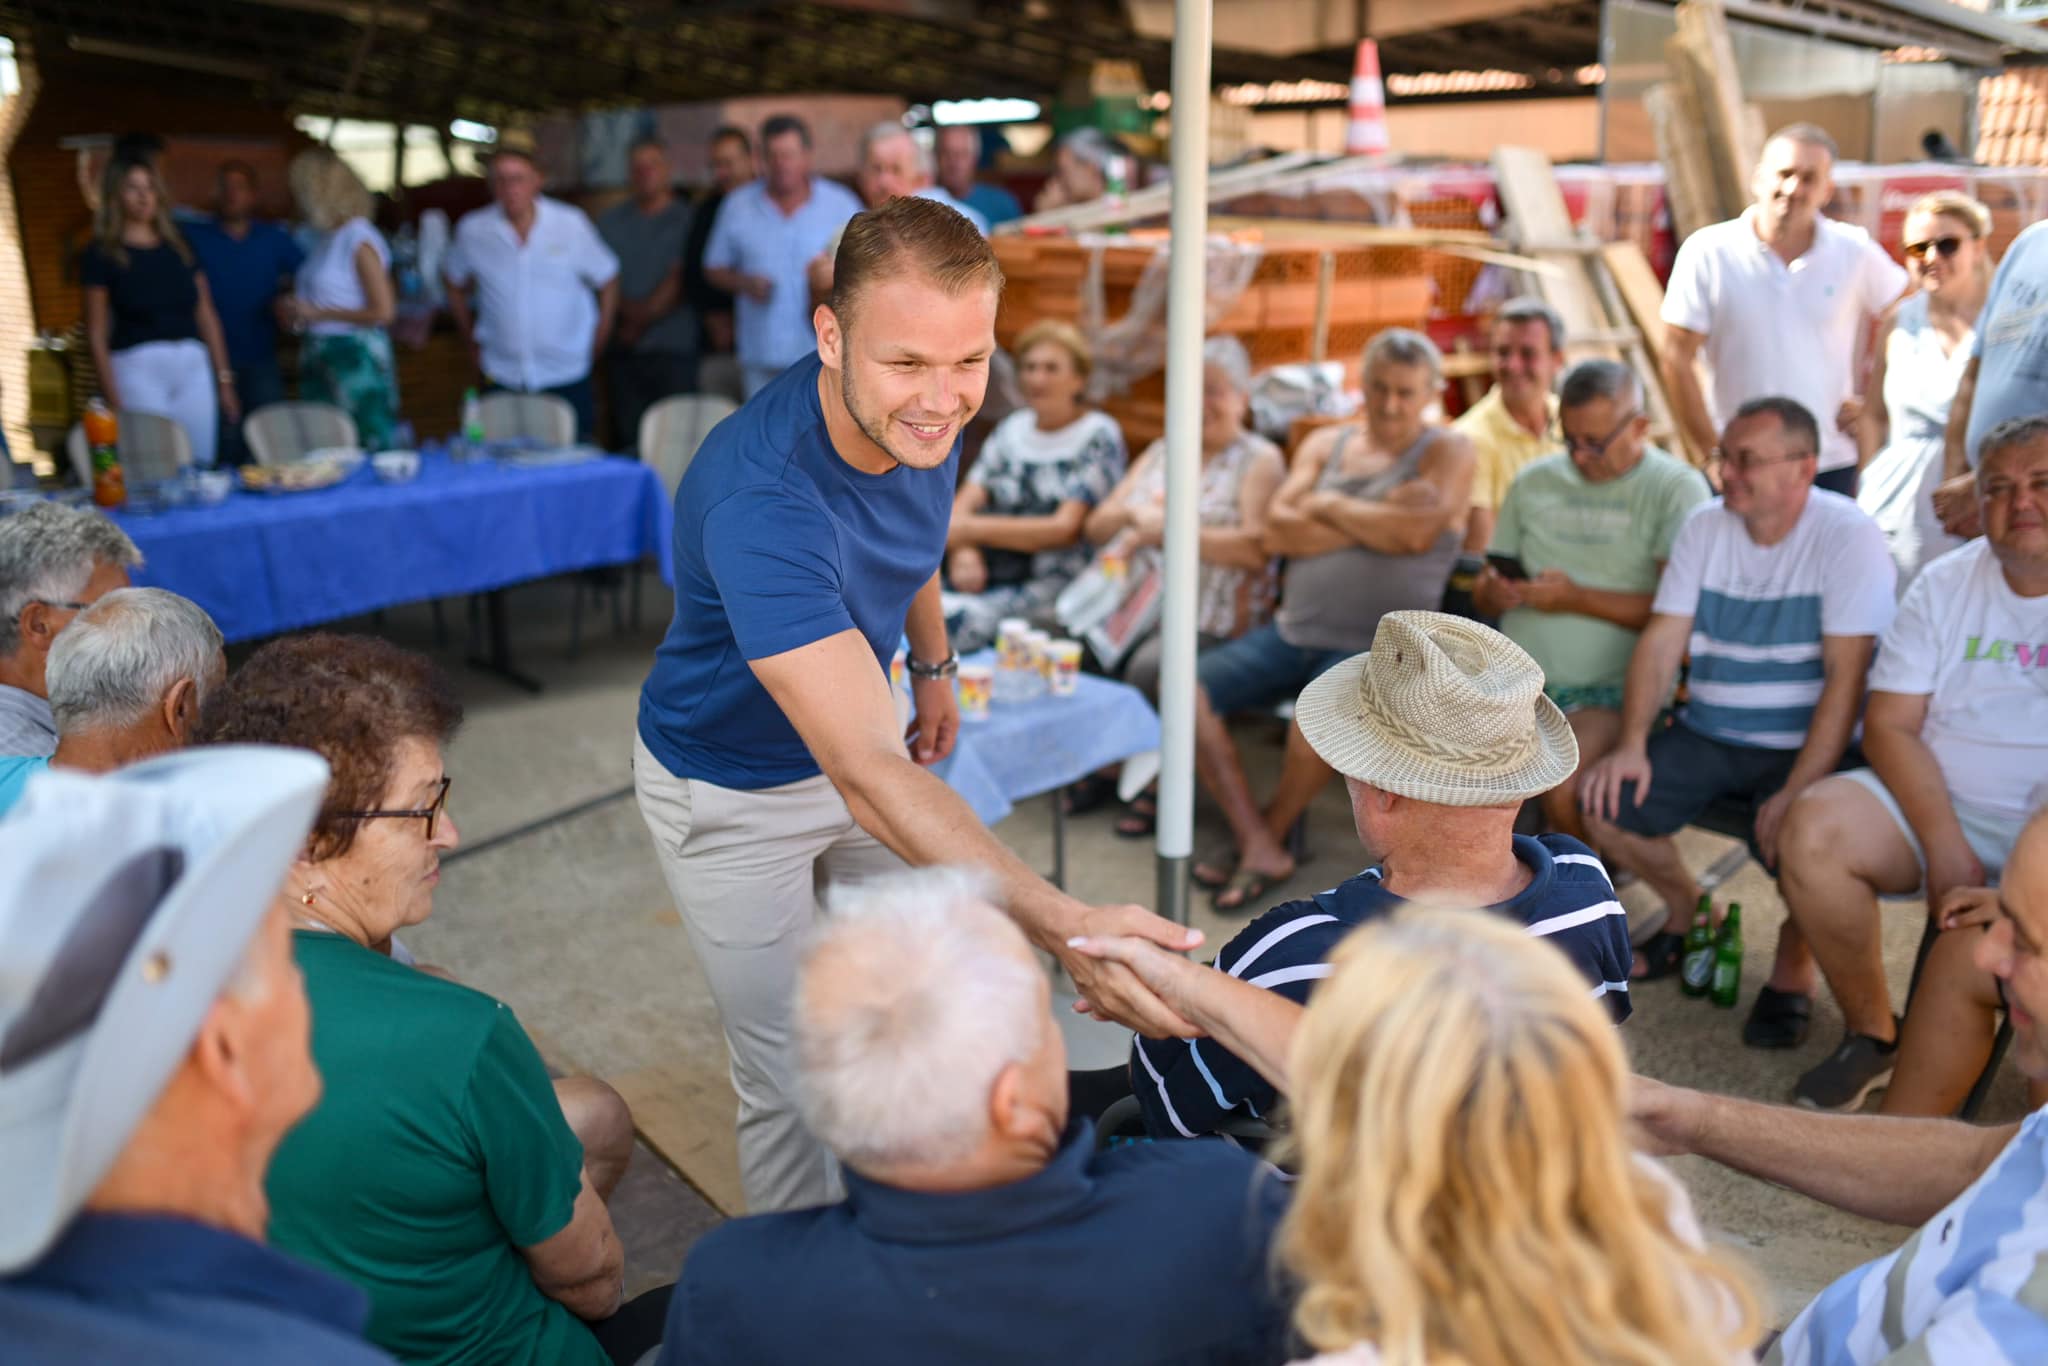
(567, 920)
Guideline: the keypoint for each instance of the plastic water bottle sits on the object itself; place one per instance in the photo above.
(472, 443)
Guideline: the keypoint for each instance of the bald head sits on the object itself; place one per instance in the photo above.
(913, 999)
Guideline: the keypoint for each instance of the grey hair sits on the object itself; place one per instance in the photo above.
(910, 1003)
(890, 128)
(1404, 346)
(1529, 309)
(2014, 431)
(1091, 145)
(47, 552)
(1227, 354)
(1595, 379)
(113, 664)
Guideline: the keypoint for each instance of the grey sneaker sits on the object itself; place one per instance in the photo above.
(1848, 1076)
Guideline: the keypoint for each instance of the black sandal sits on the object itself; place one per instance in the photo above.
(1779, 1019)
(1662, 953)
(1090, 793)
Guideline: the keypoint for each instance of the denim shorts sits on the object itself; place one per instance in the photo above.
(1690, 772)
(1259, 669)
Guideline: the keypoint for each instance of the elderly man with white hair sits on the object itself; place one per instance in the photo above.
(893, 161)
(127, 679)
(54, 562)
(153, 1050)
(980, 1224)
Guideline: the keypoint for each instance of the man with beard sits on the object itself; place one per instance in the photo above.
(768, 763)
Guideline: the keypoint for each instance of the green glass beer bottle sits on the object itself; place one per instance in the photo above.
(1728, 959)
(1696, 968)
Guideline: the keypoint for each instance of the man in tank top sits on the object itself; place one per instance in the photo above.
(1369, 520)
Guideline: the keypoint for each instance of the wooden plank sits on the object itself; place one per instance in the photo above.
(1642, 297)
(1730, 126)
(686, 1114)
(1536, 213)
(1687, 178)
(1154, 200)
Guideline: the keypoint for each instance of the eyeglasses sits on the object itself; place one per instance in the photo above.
(1945, 246)
(431, 814)
(1578, 445)
(1751, 463)
(61, 605)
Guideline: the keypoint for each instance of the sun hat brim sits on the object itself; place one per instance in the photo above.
(1332, 718)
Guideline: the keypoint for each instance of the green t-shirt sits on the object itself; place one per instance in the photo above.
(437, 1151)
(1611, 536)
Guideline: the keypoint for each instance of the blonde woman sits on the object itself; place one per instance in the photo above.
(1928, 338)
(149, 319)
(344, 299)
(1468, 1192)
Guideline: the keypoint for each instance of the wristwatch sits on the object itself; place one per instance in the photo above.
(945, 668)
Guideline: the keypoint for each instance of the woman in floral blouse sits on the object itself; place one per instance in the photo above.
(1016, 533)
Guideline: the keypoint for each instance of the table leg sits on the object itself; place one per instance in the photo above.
(1059, 838)
(498, 656)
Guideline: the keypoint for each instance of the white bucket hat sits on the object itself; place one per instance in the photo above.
(1443, 710)
(127, 902)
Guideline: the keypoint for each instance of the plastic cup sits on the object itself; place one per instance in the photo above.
(1041, 660)
(977, 682)
(1066, 667)
(897, 669)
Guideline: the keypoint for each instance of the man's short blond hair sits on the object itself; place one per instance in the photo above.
(911, 234)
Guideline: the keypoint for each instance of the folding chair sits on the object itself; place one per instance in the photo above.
(283, 433)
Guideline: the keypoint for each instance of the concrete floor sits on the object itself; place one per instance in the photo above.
(570, 923)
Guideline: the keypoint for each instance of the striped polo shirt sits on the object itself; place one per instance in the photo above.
(1970, 1286)
(1759, 612)
(1189, 1086)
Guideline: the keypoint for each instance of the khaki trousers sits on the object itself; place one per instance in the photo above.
(748, 871)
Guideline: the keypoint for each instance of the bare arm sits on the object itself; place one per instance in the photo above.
(659, 303)
(1479, 524)
(1244, 546)
(1113, 514)
(1845, 663)
(1902, 1171)
(583, 1267)
(839, 702)
(1873, 423)
(380, 301)
(972, 526)
(733, 280)
(1396, 525)
(1554, 591)
(216, 341)
(1955, 438)
(1651, 670)
(1291, 529)
(1681, 371)
(1256, 1024)
(99, 329)
(465, 319)
(1892, 723)
(607, 314)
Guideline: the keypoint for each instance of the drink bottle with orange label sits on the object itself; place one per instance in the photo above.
(103, 436)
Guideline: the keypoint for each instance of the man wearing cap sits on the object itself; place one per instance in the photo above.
(153, 1050)
(1441, 731)
(547, 287)
(127, 679)
(54, 562)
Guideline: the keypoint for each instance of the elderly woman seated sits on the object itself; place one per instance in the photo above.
(442, 1171)
(1015, 541)
(1241, 470)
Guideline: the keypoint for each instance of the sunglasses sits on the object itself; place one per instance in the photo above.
(1944, 246)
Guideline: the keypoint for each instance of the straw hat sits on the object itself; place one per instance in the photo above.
(1443, 710)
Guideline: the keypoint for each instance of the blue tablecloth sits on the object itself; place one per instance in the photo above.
(1027, 748)
(266, 563)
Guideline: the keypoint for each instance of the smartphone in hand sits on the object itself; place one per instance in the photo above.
(1508, 567)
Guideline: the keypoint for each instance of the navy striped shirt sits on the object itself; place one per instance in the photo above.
(1189, 1086)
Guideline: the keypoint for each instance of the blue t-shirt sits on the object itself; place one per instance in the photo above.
(2012, 340)
(779, 543)
(1149, 1252)
(245, 275)
(15, 771)
(994, 203)
(1187, 1087)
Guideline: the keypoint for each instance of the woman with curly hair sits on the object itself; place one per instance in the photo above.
(344, 300)
(1468, 1190)
(442, 1172)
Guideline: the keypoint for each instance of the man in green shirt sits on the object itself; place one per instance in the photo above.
(1591, 530)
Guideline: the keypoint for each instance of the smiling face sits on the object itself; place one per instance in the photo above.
(1934, 272)
(1051, 382)
(912, 363)
(1605, 437)
(1525, 364)
(1223, 409)
(2014, 948)
(1761, 476)
(1793, 180)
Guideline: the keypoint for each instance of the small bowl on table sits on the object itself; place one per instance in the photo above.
(210, 487)
(396, 467)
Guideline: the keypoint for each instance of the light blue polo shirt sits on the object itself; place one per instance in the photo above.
(753, 236)
(2012, 340)
(15, 771)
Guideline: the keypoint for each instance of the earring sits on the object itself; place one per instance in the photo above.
(306, 899)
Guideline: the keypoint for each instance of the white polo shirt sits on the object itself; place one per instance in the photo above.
(536, 307)
(1779, 330)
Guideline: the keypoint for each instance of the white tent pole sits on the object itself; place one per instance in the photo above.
(1184, 327)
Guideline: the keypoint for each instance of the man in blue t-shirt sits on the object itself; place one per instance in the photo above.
(248, 263)
(769, 759)
(1441, 731)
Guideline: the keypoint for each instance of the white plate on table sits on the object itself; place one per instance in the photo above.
(560, 455)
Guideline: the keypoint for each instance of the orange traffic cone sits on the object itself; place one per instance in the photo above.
(1367, 135)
